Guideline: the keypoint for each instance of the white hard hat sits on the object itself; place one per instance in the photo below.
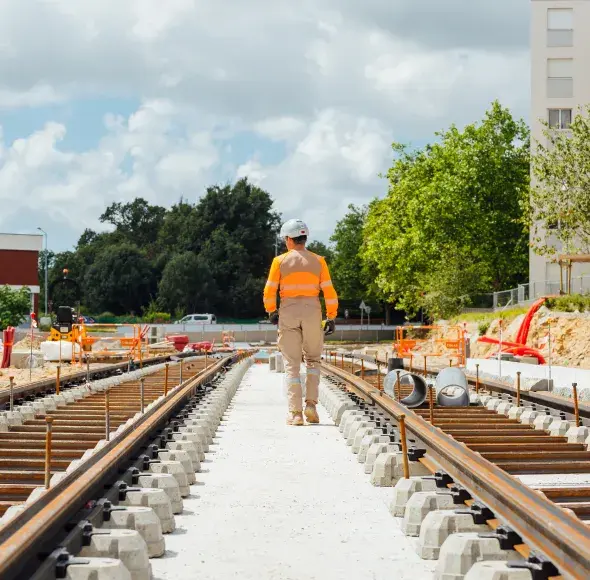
(294, 229)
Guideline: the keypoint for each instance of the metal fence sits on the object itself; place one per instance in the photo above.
(526, 293)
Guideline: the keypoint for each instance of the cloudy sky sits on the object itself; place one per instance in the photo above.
(106, 100)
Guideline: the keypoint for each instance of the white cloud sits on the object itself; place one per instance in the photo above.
(331, 82)
(75, 187)
(253, 170)
(36, 96)
(280, 128)
(334, 163)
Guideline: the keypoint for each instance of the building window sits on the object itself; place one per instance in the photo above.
(560, 118)
(560, 81)
(560, 27)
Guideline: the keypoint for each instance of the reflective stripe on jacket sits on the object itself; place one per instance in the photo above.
(300, 273)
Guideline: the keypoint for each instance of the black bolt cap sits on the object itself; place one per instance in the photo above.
(539, 566)
(479, 512)
(460, 494)
(442, 479)
(415, 454)
(506, 536)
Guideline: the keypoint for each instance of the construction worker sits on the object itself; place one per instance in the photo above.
(299, 275)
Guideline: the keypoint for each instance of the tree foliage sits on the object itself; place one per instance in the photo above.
(451, 224)
(14, 306)
(210, 256)
(321, 249)
(186, 285)
(560, 197)
(347, 273)
(119, 281)
(137, 222)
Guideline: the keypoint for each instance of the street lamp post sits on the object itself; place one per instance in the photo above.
(46, 289)
(278, 241)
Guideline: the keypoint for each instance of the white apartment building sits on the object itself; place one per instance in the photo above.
(560, 83)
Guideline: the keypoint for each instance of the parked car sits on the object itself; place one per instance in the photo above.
(198, 319)
(88, 320)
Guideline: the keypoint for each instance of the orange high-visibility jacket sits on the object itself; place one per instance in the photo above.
(300, 273)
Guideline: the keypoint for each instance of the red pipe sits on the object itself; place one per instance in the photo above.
(8, 341)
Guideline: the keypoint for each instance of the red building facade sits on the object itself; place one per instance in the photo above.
(19, 257)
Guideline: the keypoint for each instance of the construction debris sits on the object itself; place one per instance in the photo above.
(570, 337)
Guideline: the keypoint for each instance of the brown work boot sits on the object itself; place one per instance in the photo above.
(311, 413)
(295, 418)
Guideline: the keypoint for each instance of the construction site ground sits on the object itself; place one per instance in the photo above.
(48, 371)
(570, 336)
(285, 503)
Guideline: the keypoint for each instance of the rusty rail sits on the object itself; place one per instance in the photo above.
(28, 533)
(542, 398)
(560, 536)
(73, 378)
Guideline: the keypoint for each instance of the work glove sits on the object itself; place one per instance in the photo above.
(274, 317)
(329, 326)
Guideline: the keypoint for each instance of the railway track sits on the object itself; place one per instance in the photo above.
(478, 454)
(104, 494)
(128, 489)
(77, 426)
(29, 391)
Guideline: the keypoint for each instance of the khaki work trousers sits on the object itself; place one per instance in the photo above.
(301, 334)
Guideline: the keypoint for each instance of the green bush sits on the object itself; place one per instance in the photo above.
(157, 317)
(507, 315)
(570, 303)
(483, 327)
(14, 306)
(110, 318)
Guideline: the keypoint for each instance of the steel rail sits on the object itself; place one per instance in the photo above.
(560, 536)
(44, 384)
(537, 397)
(27, 534)
(542, 398)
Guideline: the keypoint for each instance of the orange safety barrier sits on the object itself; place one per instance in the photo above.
(228, 339)
(452, 340)
(131, 346)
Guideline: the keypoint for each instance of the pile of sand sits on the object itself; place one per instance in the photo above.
(49, 371)
(25, 343)
(570, 337)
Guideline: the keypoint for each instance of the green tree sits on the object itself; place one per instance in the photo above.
(137, 222)
(187, 285)
(227, 236)
(347, 273)
(176, 234)
(454, 205)
(560, 197)
(245, 211)
(14, 306)
(236, 275)
(321, 249)
(65, 294)
(120, 281)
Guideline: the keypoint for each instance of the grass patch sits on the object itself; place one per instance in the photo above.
(570, 303)
(484, 318)
(483, 326)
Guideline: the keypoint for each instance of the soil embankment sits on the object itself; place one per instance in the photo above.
(568, 334)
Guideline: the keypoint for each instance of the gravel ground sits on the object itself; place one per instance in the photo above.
(278, 502)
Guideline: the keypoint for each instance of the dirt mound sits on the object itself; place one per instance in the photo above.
(25, 343)
(570, 337)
